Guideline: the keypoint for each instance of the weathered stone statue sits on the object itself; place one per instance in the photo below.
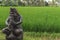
(14, 30)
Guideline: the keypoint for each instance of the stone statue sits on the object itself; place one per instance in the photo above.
(14, 30)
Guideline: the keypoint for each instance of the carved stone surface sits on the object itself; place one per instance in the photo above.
(14, 29)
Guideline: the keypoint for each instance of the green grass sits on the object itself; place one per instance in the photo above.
(38, 19)
(36, 36)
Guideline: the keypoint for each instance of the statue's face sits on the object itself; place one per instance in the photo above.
(13, 12)
(12, 9)
(14, 35)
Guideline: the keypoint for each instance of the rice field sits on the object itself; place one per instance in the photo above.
(35, 19)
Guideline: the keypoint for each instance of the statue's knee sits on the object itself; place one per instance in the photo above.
(18, 32)
(6, 31)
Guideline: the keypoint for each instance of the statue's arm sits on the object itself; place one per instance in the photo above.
(7, 21)
(20, 21)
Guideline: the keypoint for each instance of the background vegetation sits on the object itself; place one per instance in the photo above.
(37, 19)
(29, 3)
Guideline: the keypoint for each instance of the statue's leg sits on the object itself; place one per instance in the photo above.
(5, 30)
(20, 37)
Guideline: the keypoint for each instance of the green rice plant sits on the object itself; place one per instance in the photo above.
(37, 19)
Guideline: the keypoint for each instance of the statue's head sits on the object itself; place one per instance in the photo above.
(13, 12)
